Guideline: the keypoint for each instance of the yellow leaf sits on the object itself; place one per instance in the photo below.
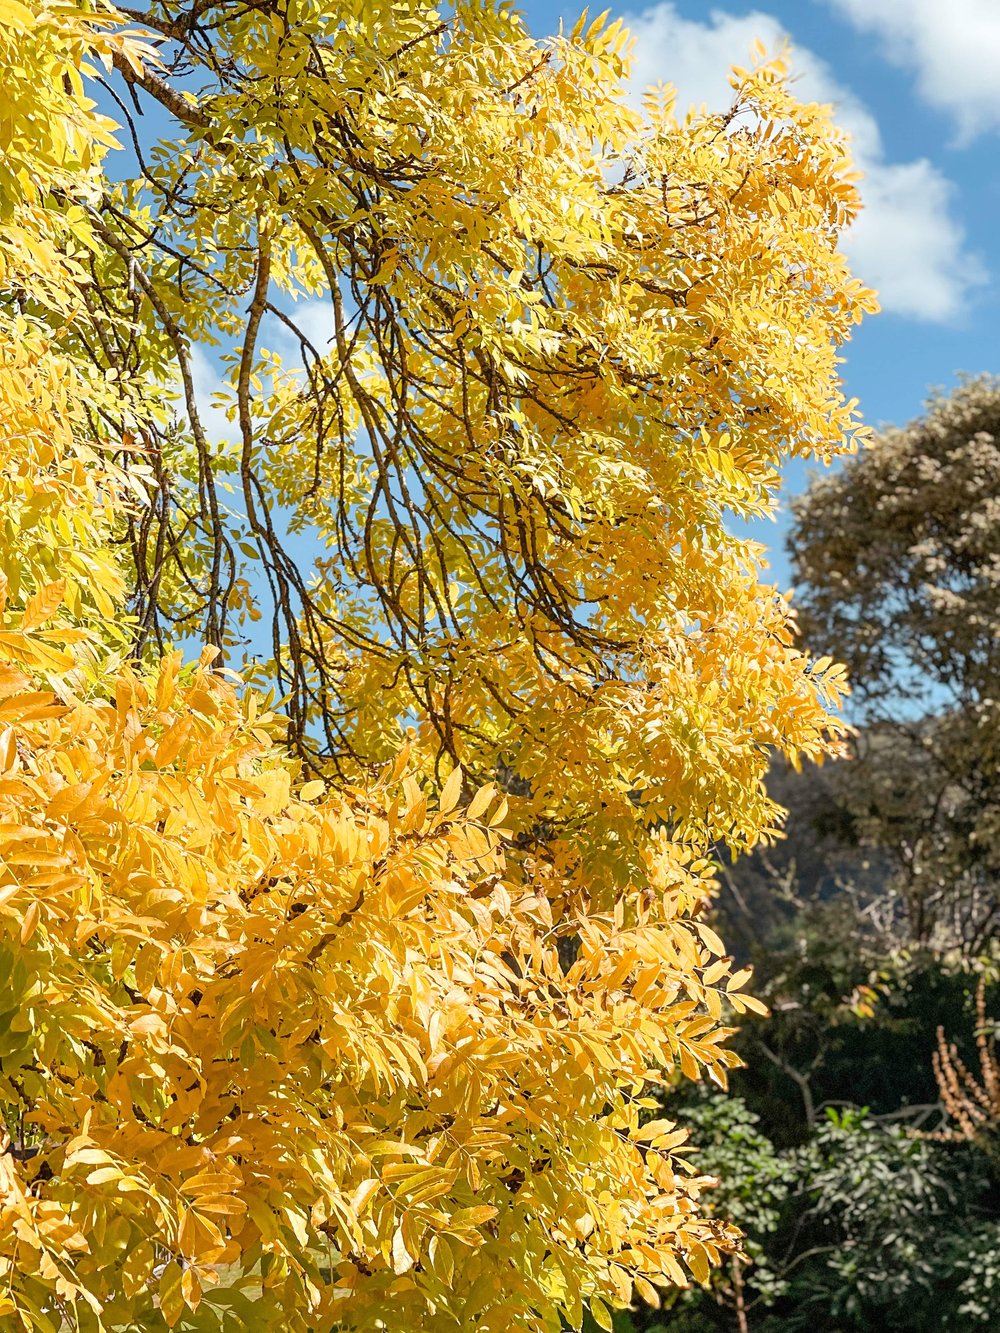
(718, 969)
(741, 1002)
(600, 1314)
(646, 1291)
(16, 15)
(8, 749)
(465, 1218)
(402, 1260)
(170, 1293)
(451, 791)
(190, 1288)
(697, 1260)
(651, 1130)
(480, 801)
(29, 922)
(363, 1195)
(711, 938)
(43, 604)
(739, 979)
(688, 1063)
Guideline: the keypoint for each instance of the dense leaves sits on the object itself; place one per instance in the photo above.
(513, 354)
(289, 1037)
(251, 1029)
(862, 1227)
(897, 554)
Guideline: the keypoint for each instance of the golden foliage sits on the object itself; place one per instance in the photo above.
(551, 345)
(377, 1046)
(323, 1042)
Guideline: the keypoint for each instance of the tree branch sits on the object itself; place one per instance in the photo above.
(799, 1079)
(175, 102)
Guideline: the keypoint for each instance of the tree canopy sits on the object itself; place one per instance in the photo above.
(343, 1012)
(897, 558)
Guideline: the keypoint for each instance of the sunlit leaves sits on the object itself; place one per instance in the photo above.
(301, 1025)
(549, 349)
(287, 1047)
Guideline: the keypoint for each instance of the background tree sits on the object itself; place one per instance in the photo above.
(307, 1054)
(897, 559)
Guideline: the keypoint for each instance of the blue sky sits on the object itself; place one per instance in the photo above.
(918, 84)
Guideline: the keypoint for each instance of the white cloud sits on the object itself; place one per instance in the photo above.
(206, 375)
(907, 243)
(207, 381)
(314, 317)
(953, 47)
(696, 57)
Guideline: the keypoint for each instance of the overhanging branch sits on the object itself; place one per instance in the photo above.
(174, 101)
